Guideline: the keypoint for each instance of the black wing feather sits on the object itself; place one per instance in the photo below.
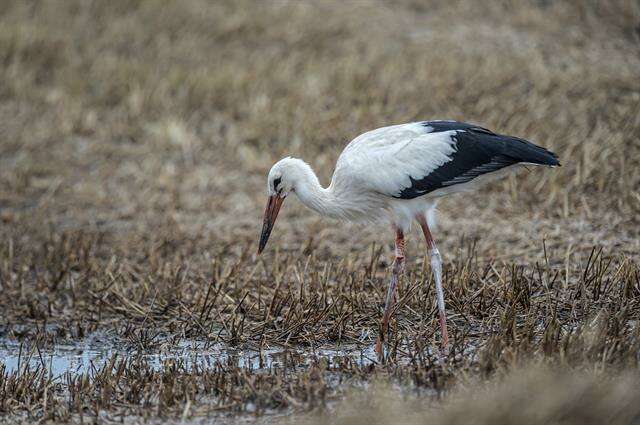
(478, 151)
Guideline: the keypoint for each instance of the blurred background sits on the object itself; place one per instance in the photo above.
(132, 116)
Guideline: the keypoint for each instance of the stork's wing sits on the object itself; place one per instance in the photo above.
(410, 160)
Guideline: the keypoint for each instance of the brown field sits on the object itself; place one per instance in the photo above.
(135, 138)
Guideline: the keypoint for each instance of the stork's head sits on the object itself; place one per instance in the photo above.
(282, 177)
(280, 182)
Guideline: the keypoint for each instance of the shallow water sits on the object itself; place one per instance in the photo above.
(92, 353)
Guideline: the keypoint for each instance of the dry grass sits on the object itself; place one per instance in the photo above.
(530, 396)
(135, 138)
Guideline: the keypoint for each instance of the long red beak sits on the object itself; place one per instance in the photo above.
(270, 215)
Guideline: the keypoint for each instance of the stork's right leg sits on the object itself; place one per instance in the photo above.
(396, 272)
(436, 268)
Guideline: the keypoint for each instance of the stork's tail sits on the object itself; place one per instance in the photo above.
(525, 151)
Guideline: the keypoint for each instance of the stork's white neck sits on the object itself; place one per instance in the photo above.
(342, 199)
(322, 200)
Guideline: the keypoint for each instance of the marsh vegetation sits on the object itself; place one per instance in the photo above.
(135, 138)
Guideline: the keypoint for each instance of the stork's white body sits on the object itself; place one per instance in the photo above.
(379, 164)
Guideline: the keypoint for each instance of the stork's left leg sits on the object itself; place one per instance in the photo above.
(396, 271)
(436, 268)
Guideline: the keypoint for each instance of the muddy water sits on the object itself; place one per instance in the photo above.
(92, 353)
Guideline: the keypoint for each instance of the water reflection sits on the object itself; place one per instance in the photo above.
(90, 354)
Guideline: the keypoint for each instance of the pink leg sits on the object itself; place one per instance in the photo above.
(436, 267)
(396, 271)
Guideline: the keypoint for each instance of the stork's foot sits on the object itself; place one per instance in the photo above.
(379, 348)
(383, 336)
(444, 349)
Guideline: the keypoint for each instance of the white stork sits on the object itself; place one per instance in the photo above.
(398, 173)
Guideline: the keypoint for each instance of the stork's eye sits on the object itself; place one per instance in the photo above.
(276, 183)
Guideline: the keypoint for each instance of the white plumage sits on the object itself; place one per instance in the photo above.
(382, 161)
(398, 173)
